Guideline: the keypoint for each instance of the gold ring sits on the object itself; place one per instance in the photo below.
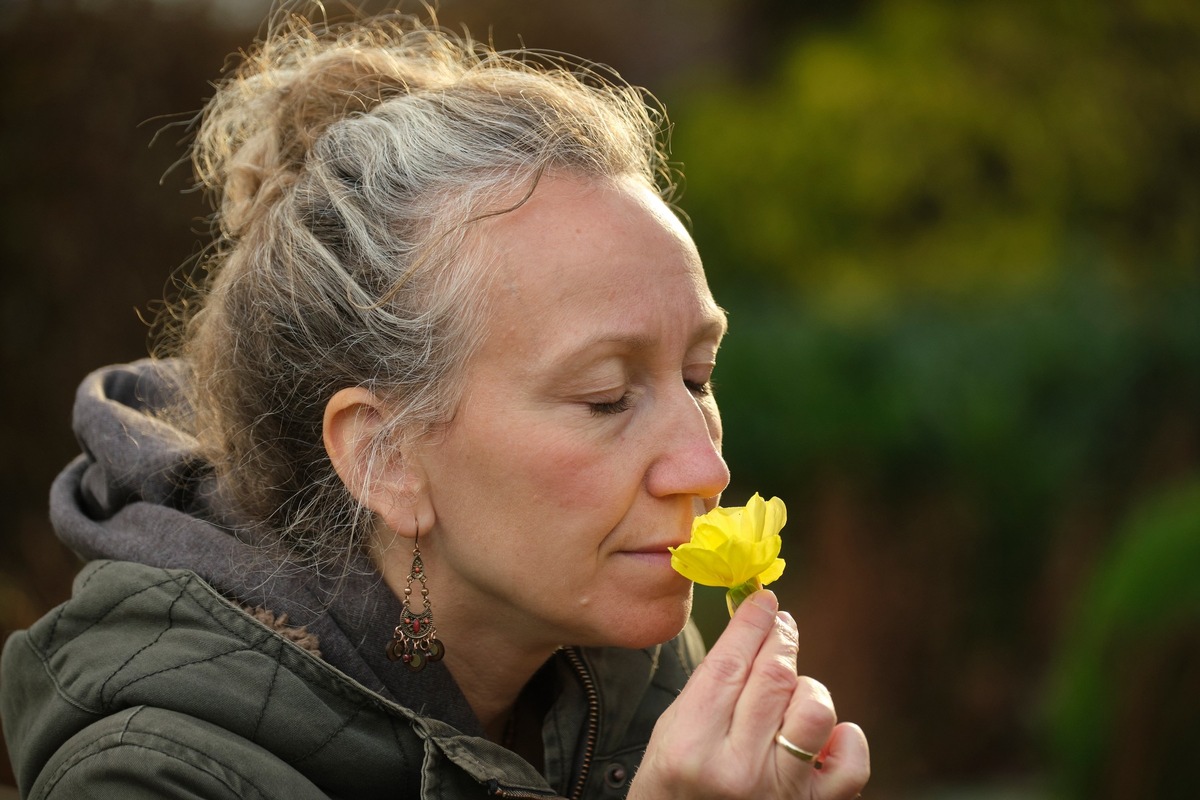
(798, 752)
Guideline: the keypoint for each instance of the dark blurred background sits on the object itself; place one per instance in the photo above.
(959, 243)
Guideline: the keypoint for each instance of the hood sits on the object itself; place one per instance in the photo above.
(140, 492)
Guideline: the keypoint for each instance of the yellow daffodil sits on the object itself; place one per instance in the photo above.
(737, 548)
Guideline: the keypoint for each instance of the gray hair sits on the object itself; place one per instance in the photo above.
(347, 166)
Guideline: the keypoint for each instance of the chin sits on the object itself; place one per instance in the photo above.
(651, 623)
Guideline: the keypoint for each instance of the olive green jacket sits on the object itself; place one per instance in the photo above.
(150, 684)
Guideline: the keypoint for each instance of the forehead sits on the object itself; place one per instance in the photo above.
(586, 260)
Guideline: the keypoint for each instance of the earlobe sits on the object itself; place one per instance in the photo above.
(379, 477)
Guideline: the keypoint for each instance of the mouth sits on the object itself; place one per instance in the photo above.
(656, 556)
(659, 539)
(656, 559)
(655, 549)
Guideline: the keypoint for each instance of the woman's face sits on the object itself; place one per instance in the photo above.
(586, 439)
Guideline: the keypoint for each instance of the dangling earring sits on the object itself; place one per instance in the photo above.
(415, 641)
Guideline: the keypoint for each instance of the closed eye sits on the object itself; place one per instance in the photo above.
(622, 403)
(699, 389)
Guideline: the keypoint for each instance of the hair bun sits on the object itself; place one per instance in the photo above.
(257, 132)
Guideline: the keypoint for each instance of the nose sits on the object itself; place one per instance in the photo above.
(688, 450)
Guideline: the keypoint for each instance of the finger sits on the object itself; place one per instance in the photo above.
(699, 718)
(845, 763)
(723, 672)
(770, 686)
(810, 719)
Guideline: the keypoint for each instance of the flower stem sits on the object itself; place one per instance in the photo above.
(736, 594)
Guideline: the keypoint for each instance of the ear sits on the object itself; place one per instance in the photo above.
(380, 478)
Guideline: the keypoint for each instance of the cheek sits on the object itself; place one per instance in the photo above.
(579, 472)
(538, 468)
(576, 476)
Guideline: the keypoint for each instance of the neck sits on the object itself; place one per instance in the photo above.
(490, 671)
(490, 666)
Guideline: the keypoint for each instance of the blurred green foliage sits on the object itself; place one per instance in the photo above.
(1137, 626)
(950, 149)
(1016, 404)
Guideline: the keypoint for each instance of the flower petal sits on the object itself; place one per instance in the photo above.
(775, 517)
(772, 573)
(752, 518)
(700, 565)
(708, 536)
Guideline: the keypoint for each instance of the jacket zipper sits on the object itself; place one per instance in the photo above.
(589, 747)
(496, 790)
(593, 719)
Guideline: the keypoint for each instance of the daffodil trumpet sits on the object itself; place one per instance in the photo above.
(737, 548)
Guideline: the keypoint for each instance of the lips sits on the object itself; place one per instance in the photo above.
(679, 529)
(654, 549)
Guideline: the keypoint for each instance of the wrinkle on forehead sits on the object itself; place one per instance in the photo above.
(589, 267)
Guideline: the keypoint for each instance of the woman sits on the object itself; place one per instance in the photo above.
(395, 522)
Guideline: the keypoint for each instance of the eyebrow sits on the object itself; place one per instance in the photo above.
(715, 327)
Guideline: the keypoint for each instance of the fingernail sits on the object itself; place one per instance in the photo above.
(788, 619)
(766, 600)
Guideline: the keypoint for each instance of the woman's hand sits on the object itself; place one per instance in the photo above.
(718, 739)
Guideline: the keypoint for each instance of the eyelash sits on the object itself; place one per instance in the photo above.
(625, 401)
(615, 407)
